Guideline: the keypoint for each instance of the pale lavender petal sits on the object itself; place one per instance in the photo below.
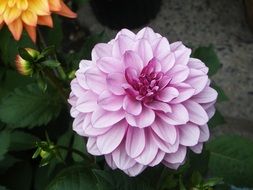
(145, 51)
(185, 92)
(159, 106)
(197, 64)
(109, 161)
(101, 50)
(92, 146)
(197, 79)
(188, 134)
(135, 170)
(167, 94)
(178, 116)
(133, 60)
(132, 106)
(177, 157)
(135, 141)
(87, 103)
(121, 45)
(110, 65)
(206, 96)
(197, 148)
(159, 157)
(102, 119)
(168, 62)
(115, 82)
(165, 131)
(162, 48)
(146, 33)
(109, 101)
(204, 133)
(197, 114)
(121, 159)
(178, 74)
(145, 119)
(109, 141)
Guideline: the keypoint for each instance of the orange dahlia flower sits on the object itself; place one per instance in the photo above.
(19, 14)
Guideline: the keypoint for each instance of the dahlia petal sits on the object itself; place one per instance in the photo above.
(204, 133)
(55, 5)
(45, 20)
(210, 112)
(29, 17)
(93, 132)
(164, 82)
(197, 80)
(146, 33)
(163, 145)
(166, 132)
(11, 14)
(145, 51)
(167, 62)
(159, 157)
(31, 30)
(103, 119)
(115, 82)
(197, 148)
(185, 92)
(109, 101)
(131, 76)
(133, 60)
(109, 141)
(198, 65)
(95, 79)
(167, 94)
(178, 116)
(188, 134)
(125, 32)
(41, 8)
(74, 112)
(16, 28)
(162, 48)
(109, 161)
(177, 157)
(121, 45)
(135, 170)
(181, 52)
(121, 159)
(196, 112)
(146, 118)
(159, 106)
(110, 65)
(149, 152)
(77, 125)
(135, 141)
(132, 106)
(178, 74)
(65, 11)
(77, 90)
(2, 6)
(172, 166)
(87, 102)
(92, 146)
(101, 50)
(205, 96)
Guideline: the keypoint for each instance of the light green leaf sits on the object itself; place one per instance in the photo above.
(209, 57)
(232, 159)
(4, 143)
(20, 140)
(74, 177)
(28, 107)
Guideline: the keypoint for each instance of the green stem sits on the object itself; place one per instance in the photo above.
(61, 72)
(76, 152)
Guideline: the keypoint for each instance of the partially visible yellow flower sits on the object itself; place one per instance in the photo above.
(19, 14)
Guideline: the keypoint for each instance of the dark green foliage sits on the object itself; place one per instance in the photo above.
(231, 157)
(28, 106)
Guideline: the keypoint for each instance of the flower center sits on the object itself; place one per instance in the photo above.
(148, 83)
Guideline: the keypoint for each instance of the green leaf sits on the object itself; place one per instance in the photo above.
(231, 158)
(54, 35)
(28, 107)
(4, 143)
(78, 144)
(7, 162)
(51, 63)
(196, 178)
(74, 177)
(209, 57)
(9, 47)
(20, 140)
(221, 94)
(216, 120)
(18, 177)
(50, 50)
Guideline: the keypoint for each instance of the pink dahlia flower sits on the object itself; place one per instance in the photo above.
(141, 101)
